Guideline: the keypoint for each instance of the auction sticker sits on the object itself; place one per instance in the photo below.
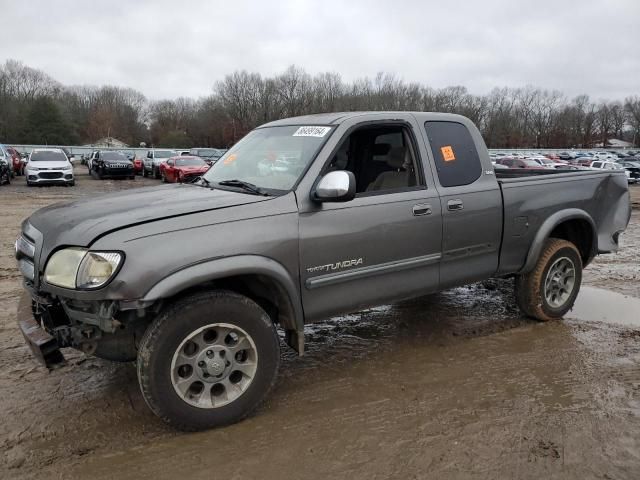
(447, 153)
(230, 159)
(311, 131)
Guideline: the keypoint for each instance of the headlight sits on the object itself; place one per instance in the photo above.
(68, 167)
(97, 268)
(80, 268)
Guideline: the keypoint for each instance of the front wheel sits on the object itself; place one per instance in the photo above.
(208, 360)
(550, 289)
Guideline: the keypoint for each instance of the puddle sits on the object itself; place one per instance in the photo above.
(598, 305)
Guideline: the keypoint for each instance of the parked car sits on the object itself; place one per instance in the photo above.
(68, 153)
(526, 163)
(209, 155)
(5, 167)
(137, 161)
(109, 163)
(583, 161)
(138, 165)
(17, 166)
(192, 280)
(153, 160)
(604, 156)
(602, 165)
(633, 168)
(183, 169)
(49, 166)
(90, 159)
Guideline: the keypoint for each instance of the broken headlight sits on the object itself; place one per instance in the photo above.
(81, 268)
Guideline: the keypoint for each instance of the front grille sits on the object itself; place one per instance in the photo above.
(25, 253)
(50, 175)
(25, 248)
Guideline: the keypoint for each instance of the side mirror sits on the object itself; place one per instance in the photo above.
(337, 186)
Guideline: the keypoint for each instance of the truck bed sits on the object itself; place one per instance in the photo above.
(534, 200)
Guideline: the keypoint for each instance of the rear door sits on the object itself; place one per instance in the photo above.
(471, 204)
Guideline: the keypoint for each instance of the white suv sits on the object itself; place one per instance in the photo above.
(49, 165)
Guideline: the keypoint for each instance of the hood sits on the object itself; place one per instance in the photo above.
(192, 168)
(44, 164)
(81, 222)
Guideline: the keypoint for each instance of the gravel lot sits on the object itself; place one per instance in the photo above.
(454, 385)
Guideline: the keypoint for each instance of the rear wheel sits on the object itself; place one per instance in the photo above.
(550, 289)
(208, 360)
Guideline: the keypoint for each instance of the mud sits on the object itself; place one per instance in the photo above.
(454, 385)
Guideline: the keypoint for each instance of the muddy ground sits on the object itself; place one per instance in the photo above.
(454, 385)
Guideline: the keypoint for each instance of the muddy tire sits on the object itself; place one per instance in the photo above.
(550, 289)
(208, 360)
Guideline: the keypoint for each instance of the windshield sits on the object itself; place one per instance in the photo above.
(164, 153)
(113, 156)
(48, 156)
(189, 162)
(271, 158)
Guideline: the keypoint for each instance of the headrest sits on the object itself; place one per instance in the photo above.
(381, 148)
(396, 157)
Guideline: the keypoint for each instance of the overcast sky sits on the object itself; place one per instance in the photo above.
(180, 48)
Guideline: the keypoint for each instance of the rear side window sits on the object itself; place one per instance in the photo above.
(455, 154)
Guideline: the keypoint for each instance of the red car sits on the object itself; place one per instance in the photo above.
(182, 169)
(18, 166)
(137, 165)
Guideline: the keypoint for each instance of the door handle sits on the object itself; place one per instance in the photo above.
(422, 209)
(454, 205)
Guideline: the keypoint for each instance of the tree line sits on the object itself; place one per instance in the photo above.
(36, 109)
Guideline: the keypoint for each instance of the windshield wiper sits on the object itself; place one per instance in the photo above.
(204, 181)
(249, 187)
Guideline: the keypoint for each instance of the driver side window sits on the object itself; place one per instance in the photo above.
(382, 159)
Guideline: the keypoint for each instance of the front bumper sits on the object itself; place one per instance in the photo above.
(49, 176)
(118, 172)
(43, 346)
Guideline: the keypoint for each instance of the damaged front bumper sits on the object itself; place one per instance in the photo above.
(43, 345)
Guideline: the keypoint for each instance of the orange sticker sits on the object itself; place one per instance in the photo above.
(447, 153)
(230, 159)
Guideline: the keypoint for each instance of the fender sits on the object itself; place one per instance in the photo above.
(196, 274)
(547, 227)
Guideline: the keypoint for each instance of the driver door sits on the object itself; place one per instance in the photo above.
(382, 246)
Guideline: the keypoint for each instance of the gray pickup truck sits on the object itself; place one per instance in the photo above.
(302, 219)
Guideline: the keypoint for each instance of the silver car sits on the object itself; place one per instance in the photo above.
(49, 166)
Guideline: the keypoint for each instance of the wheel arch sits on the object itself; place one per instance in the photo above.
(573, 225)
(262, 279)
